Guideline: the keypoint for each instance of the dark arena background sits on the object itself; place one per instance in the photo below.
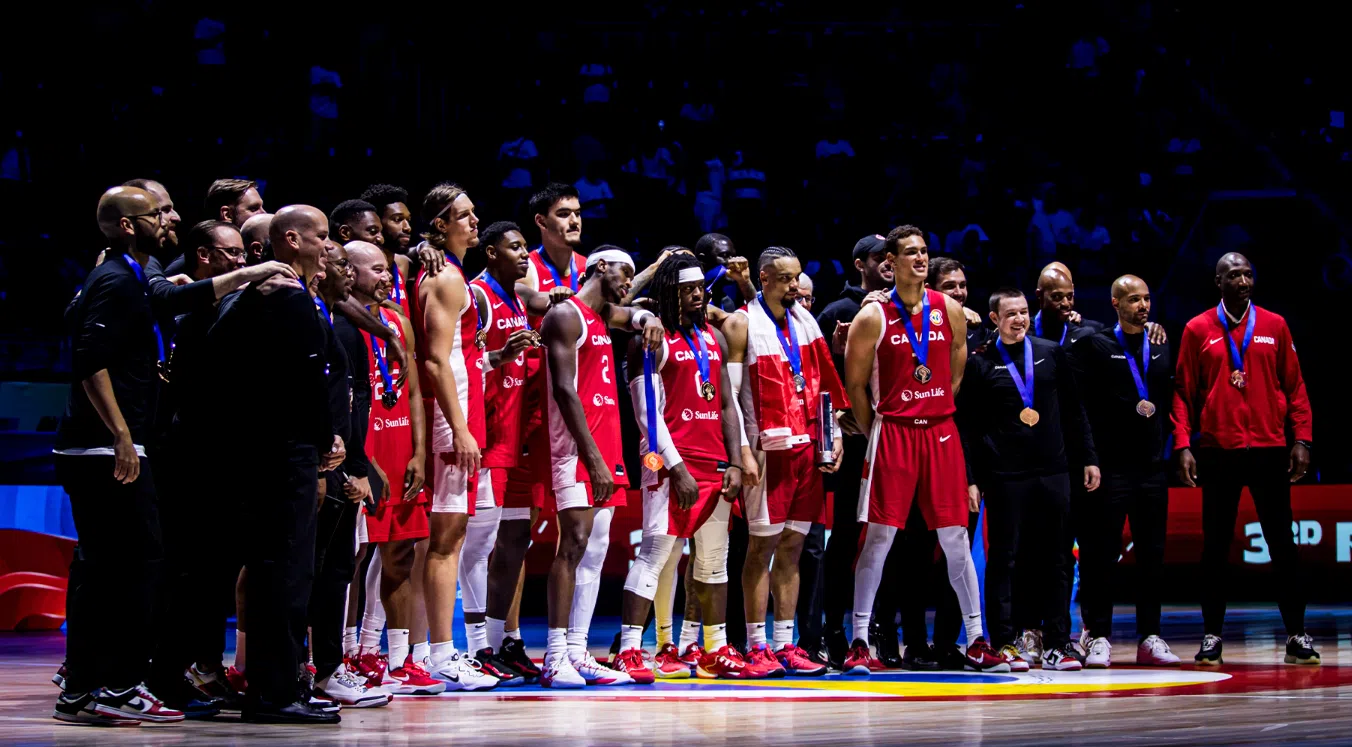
(1127, 136)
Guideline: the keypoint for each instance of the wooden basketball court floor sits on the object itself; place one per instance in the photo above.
(1253, 699)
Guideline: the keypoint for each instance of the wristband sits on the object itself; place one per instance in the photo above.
(636, 321)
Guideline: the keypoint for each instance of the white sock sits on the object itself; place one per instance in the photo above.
(398, 647)
(755, 634)
(715, 636)
(587, 583)
(690, 634)
(443, 651)
(556, 643)
(371, 625)
(350, 641)
(861, 621)
(783, 633)
(422, 652)
(512, 634)
(664, 635)
(577, 643)
(631, 636)
(495, 633)
(476, 634)
(973, 625)
(239, 650)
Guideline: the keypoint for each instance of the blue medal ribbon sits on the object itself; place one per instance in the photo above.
(141, 276)
(713, 276)
(379, 352)
(919, 343)
(1141, 388)
(701, 355)
(323, 309)
(790, 344)
(558, 279)
(507, 298)
(398, 292)
(1237, 353)
(654, 460)
(1024, 382)
(1037, 328)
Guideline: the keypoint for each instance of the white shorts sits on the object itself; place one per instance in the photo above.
(451, 493)
(483, 498)
(577, 495)
(362, 536)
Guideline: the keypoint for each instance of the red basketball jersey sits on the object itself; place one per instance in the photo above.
(389, 437)
(536, 395)
(595, 383)
(504, 386)
(896, 392)
(466, 360)
(695, 424)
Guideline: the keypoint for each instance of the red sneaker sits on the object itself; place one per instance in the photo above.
(634, 662)
(861, 660)
(693, 654)
(1010, 653)
(982, 658)
(726, 663)
(797, 664)
(237, 680)
(763, 664)
(372, 665)
(410, 679)
(668, 664)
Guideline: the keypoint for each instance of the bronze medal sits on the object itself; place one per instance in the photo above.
(653, 461)
(922, 373)
(390, 398)
(1029, 416)
(481, 338)
(1145, 408)
(799, 383)
(1237, 379)
(707, 391)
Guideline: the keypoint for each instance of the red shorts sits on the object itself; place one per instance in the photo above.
(790, 490)
(915, 462)
(396, 520)
(661, 514)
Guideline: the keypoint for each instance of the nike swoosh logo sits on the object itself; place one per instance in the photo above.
(498, 305)
(893, 321)
(1213, 342)
(944, 438)
(1154, 357)
(1039, 361)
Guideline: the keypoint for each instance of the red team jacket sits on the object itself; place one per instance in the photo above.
(1224, 416)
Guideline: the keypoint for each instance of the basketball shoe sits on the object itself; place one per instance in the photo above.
(78, 708)
(1098, 652)
(596, 673)
(982, 658)
(135, 703)
(1300, 650)
(1154, 652)
(559, 672)
(1030, 647)
(797, 664)
(59, 679)
(861, 660)
(349, 690)
(215, 684)
(763, 663)
(513, 655)
(634, 662)
(1010, 653)
(237, 681)
(1058, 660)
(726, 663)
(507, 677)
(693, 654)
(372, 665)
(410, 679)
(668, 664)
(461, 673)
(1210, 653)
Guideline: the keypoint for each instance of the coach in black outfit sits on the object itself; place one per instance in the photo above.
(1022, 424)
(1125, 382)
(270, 352)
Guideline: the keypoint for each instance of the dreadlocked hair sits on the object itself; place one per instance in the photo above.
(666, 291)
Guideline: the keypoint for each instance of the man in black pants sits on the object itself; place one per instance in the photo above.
(343, 491)
(1241, 391)
(875, 275)
(1022, 425)
(1124, 380)
(274, 343)
(100, 461)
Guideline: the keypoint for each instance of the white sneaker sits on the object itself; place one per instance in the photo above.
(347, 689)
(1030, 647)
(559, 672)
(1058, 660)
(1098, 654)
(596, 673)
(460, 672)
(1154, 652)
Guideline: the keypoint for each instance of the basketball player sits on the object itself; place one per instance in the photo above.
(912, 372)
(508, 340)
(788, 369)
(1024, 426)
(1122, 375)
(1240, 388)
(233, 200)
(391, 204)
(452, 356)
(586, 457)
(692, 439)
(396, 443)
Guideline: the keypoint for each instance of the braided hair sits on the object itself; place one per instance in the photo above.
(666, 291)
(771, 254)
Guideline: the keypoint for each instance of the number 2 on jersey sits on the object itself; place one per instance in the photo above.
(605, 368)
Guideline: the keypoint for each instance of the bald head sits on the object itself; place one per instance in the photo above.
(300, 238)
(370, 270)
(1131, 300)
(1127, 285)
(1234, 276)
(1053, 278)
(1229, 260)
(1055, 293)
(123, 202)
(1059, 267)
(257, 244)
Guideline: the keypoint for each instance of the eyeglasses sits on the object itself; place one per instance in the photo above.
(230, 250)
(157, 215)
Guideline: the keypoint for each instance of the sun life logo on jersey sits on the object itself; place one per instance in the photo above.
(509, 382)
(687, 414)
(598, 400)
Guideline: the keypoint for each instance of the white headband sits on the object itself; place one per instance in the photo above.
(690, 275)
(610, 256)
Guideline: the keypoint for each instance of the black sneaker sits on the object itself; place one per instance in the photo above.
(306, 693)
(135, 702)
(78, 708)
(513, 655)
(919, 659)
(950, 658)
(837, 648)
(1210, 653)
(264, 712)
(889, 651)
(191, 702)
(504, 671)
(1300, 650)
